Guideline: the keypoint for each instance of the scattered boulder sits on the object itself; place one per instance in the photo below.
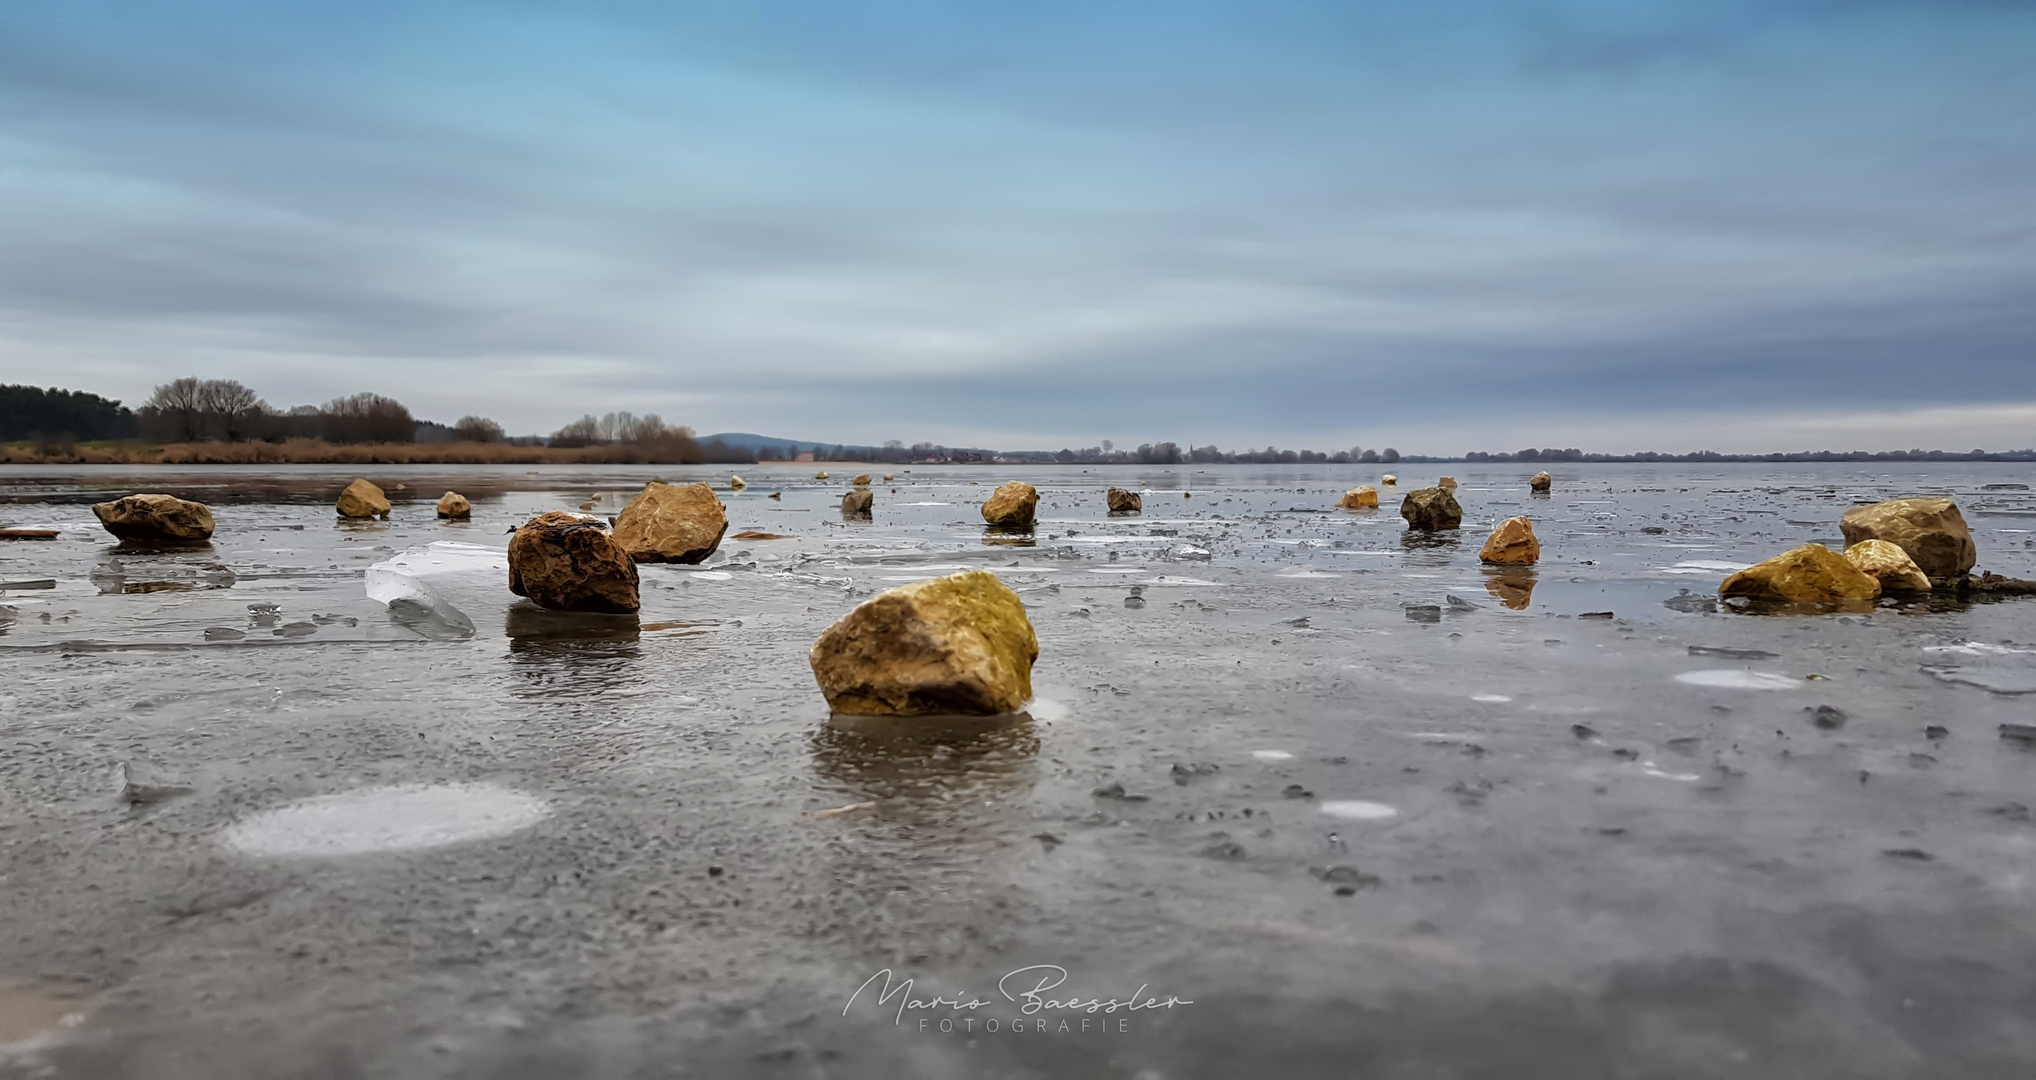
(1125, 502)
(568, 563)
(1932, 531)
(1389, 480)
(677, 523)
(362, 500)
(161, 519)
(1431, 509)
(452, 504)
(959, 644)
(856, 503)
(861, 480)
(820, 476)
(1012, 505)
(1360, 498)
(887, 478)
(1889, 565)
(1447, 483)
(1811, 574)
(1512, 544)
(1541, 482)
(737, 483)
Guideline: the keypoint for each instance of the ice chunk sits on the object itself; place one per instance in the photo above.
(415, 583)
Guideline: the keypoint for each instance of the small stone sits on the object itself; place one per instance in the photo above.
(1447, 483)
(959, 644)
(737, 483)
(452, 504)
(1827, 717)
(1124, 502)
(1512, 544)
(1359, 498)
(1932, 531)
(1811, 574)
(1012, 505)
(362, 500)
(1889, 565)
(1388, 480)
(568, 563)
(861, 480)
(161, 519)
(671, 523)
(1431, 510)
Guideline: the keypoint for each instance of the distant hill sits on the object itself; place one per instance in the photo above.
(743, 440)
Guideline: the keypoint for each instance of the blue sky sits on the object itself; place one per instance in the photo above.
(1443, 226)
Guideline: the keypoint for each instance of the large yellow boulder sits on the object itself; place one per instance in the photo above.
(362, 500)
(1431, 509)
(1360, 498)
(1512, 544)
(1889, 565)
(1012, 505)
(1124, 501)
(1811, 574)
(1932, 531)
(857, 503)
(1541, 482)
(452, 504)
(160, 519)
(959, 644)
(569, 563)
(675, 523)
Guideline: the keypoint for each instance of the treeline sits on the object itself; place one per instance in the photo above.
(1167, 453)
(1798, 455)
(54, 418)
(646, 439)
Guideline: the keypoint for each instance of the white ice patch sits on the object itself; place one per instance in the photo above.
(1117, 570)
(1307, 574)
(1730, 679)
(1651, 769)
(1358, 810)
(1491, 699)
(1704, 566)
(1978, 648)
(1048, 710)
(923, 504)
(712, 575)
(403, 817)
(1272, 755)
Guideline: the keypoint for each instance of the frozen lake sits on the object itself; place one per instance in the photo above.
(1363, 807)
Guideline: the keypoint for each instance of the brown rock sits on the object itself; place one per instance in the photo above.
(1512, 544)
(1541, 482)
(1012, 505)
(568, 563)
(856, 503)
(1389, 480)
(677, 523)
(1124, 502)
(1811, 574)
(161, 519)
(737, 483)
(362, 500)
(1447, 483)
(1360, 498)
(954, 645)
(1932, 531)
(452, 504)
(887, 478)
(861, 479)
(1888, 564)
(1431, 509)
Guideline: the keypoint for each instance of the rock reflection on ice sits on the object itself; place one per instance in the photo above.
(1358, 810)
(1730, 679)
(1272, 755)
(402, 817)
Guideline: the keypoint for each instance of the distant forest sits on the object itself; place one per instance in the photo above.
(193, 410)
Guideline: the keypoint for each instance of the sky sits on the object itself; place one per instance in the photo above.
(1439, 225)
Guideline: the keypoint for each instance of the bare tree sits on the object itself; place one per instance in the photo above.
(478, 429)
(367, 418)
(176, 410)
(585, 431)
(232, 411)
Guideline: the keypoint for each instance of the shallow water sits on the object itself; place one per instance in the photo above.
(1373, 809)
